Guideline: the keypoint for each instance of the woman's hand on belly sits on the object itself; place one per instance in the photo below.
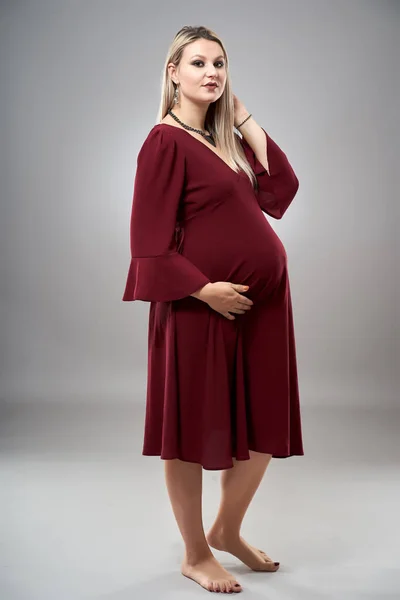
(225, 297)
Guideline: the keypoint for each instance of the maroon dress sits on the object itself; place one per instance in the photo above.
(216, 388)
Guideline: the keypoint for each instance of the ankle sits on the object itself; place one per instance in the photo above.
(225, 531)
(194, 557)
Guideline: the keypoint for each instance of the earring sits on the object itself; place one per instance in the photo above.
(176, 99)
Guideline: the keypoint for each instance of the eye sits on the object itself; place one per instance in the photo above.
(196, 62)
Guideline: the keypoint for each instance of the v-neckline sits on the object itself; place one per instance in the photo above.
(201, 143)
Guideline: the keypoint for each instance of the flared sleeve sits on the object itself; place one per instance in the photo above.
(157, 271)
(277, 189)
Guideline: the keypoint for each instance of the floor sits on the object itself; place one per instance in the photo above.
(86, 516)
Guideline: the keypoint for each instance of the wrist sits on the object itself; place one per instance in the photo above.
(240, 118)
(200, 293)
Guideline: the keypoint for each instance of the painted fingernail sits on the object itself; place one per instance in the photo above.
(277, 564)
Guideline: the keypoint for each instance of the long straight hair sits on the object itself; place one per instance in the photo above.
(219, 119)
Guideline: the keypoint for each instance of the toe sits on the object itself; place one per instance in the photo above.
(236, 587)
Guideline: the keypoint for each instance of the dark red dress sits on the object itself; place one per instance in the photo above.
(215, 388)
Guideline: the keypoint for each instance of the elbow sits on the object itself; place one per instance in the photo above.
(288, 194)
(292, 186)
(277, 204)
(288, 197)
(296, 185)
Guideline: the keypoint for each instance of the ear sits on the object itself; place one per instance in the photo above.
(172, 70)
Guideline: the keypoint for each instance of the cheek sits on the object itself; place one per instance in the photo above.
(192, 79)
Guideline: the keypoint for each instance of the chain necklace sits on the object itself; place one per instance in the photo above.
(207, 136)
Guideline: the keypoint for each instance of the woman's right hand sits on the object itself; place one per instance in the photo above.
(225, 297)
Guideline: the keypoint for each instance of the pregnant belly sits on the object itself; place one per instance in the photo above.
(253, 256)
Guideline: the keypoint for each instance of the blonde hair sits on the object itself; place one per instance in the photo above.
(219, 119)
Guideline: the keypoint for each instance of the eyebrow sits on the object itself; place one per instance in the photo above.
(201, 56)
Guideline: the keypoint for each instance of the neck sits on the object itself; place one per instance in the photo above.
(191, 114)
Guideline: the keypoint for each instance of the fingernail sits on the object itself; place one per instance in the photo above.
(277, 564)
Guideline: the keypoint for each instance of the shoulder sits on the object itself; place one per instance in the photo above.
(159, 140)
(161, 134)
(161, 151)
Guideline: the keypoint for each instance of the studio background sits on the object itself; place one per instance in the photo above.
(80, 88)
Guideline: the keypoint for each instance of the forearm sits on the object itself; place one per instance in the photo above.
(256, 138)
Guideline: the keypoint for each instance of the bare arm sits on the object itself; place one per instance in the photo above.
(255, 137)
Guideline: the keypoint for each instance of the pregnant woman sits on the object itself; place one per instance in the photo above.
(222, 388)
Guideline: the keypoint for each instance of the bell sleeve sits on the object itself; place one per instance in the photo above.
(157, 271)
(277, 189)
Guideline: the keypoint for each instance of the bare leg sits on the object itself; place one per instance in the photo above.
(239, 485)
(184, 483)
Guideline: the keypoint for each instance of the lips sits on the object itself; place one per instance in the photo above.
(211, 85)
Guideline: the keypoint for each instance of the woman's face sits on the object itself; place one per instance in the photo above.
(202, 62)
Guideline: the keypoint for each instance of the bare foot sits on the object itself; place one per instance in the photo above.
(254, 558)
(211, 575)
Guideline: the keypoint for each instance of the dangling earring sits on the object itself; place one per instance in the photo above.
(176, 98)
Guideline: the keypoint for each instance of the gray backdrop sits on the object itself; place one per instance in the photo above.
(83, 514)
(80, 86)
